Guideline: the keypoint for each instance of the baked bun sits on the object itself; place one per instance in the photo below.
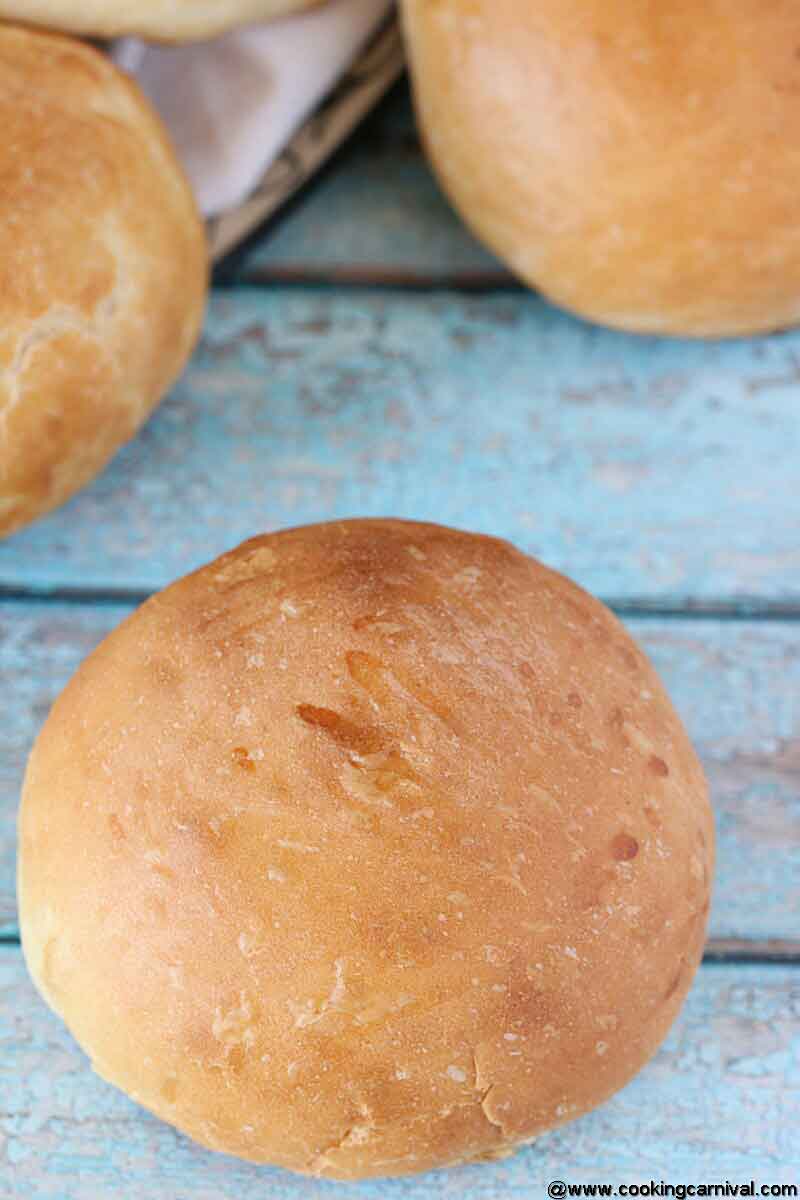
(368, 848)
(162, 20)
(102, 268)
(636, 162)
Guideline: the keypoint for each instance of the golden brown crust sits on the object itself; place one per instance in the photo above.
(161, 20)
(102, 268)
(636, 162)
(368, 848)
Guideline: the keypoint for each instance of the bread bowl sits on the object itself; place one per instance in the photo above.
(102, 268)
(635, 162)
(368, 848)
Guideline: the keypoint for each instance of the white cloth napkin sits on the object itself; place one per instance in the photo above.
(233, 104)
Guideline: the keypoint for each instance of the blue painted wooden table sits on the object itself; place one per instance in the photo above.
(367, 358)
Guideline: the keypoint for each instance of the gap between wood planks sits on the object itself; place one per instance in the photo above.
(376, 279)
(738, 608)
(722, 951)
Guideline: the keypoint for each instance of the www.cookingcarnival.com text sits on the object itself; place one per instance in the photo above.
(557, 1189)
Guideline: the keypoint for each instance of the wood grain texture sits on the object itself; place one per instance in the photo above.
(378, 216)
(736, 684)
(720, 1101)
(645, 469)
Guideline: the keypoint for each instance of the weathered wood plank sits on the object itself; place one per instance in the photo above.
(720, 1101)
(377, 216)
(737, 685)
(645, 469)
(40, 648)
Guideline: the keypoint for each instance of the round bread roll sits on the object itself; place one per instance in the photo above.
(636, 162)
(368, 848)
(161, 20)
(102, 268)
